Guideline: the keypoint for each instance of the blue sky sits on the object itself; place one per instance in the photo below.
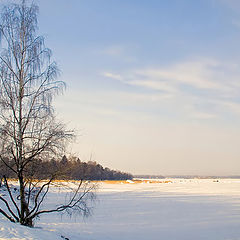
(153, 86)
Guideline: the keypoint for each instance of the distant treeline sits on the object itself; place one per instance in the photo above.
(204, 177)
(71, 169)
(186, 176)
(148, 176)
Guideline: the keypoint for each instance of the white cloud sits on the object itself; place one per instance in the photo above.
(111, 75)
(191, 84)
(157, 85)
(234, 107)
(198, 74)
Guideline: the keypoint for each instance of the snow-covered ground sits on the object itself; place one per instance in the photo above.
(182, 210)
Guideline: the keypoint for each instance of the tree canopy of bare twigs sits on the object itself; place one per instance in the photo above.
(29, 130)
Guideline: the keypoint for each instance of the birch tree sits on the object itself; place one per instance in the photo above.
(29, 130)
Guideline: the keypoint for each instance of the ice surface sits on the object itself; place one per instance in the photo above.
(182, 210)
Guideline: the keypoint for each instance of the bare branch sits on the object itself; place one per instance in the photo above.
(10, 195)
(29, 130)
(7, 216)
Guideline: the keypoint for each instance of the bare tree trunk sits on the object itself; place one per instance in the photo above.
(24, 206)
(28, 128)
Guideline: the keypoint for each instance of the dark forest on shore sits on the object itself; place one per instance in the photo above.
(71, 168)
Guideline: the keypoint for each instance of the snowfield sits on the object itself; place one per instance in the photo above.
(190, 209)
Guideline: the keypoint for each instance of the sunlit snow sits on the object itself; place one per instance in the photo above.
(193, 209)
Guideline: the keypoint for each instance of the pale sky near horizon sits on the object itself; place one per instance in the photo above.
(153, 86)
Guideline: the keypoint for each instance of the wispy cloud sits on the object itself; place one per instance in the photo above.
(198, 74)
(202, 75)
(200, 81)
(233, 106)
(156, 85)
(113, 76)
